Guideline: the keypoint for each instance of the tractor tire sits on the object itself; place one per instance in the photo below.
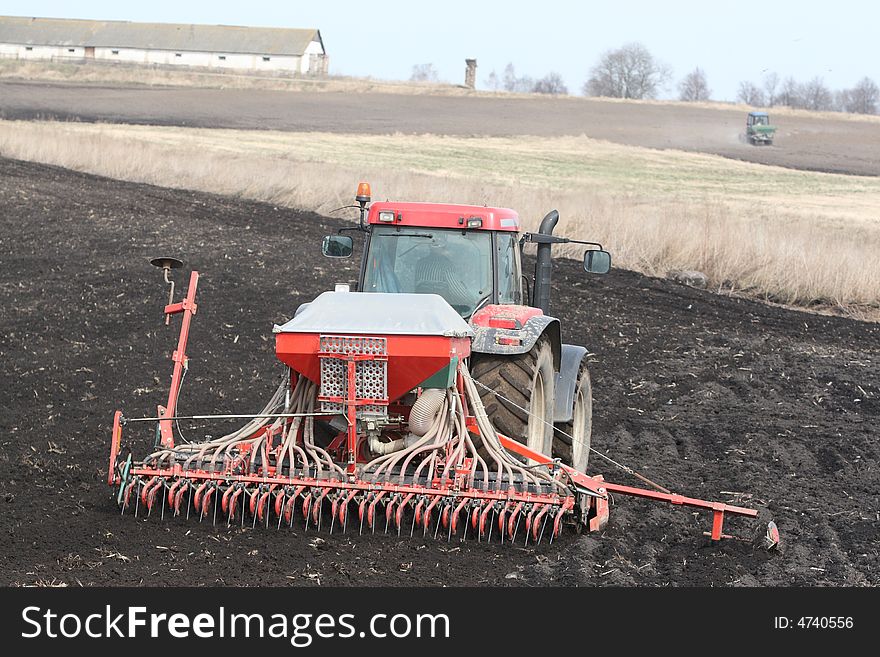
(527, 380)
(575, 450)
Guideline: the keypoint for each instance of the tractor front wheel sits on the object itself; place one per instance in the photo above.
(519, 400)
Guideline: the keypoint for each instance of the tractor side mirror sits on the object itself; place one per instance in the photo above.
(597, 262)
(337, 246)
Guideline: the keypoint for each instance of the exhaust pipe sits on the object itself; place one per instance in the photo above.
(544, 265)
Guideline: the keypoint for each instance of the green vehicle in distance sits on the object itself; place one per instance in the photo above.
(759, 132)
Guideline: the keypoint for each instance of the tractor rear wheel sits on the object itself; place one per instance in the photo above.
(522, 409)
(572, 442)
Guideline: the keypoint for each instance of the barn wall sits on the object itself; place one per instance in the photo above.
(285, 63)
(17, 51)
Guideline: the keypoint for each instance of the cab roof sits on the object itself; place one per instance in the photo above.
(445, 215)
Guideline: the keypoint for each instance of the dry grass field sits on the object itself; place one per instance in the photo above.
(113, 73)
(796, 237)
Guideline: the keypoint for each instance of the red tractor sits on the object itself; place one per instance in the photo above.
(439, 396)
(528, 379)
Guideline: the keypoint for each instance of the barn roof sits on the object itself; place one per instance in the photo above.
(156, 36)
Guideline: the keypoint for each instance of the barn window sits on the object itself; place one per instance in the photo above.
(115, 52)
(222, 57)
(71, 50)
(177, 54)
(28, 48)
(266, 59)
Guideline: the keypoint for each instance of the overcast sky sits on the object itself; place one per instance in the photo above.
(731, 41)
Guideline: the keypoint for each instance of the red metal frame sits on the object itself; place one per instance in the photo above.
(188, 307)
(597, 485)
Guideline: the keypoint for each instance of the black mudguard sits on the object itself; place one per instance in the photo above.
(566, 381)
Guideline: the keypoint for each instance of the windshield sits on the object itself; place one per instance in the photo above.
(453, 263)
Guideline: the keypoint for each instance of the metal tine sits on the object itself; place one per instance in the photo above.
(137, 499)
(491, 525)
(437, 529)
(162, 514)
(189, 501)
(216, 490)
(543, 525)
(281, 515)
(244, 506)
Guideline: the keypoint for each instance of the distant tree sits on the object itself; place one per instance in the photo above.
(771, 83)
(522, 84)
(627, 72)
(843, 100)
(694, 86)
(424, 73)
(509, 80)
(750, 94)
(864, 97)
(791, 94)
(492, 82)
(525, 84)
(816, 96)
(552, 83)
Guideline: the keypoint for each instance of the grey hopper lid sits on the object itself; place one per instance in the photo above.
(377, 313)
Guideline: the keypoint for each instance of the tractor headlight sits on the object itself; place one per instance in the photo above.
(387, 216)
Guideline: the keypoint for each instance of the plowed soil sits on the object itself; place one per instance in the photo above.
(838, 145)
(715, 397)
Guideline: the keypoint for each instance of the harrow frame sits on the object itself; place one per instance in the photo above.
(271, 489)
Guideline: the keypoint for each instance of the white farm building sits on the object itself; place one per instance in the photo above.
(278, 50)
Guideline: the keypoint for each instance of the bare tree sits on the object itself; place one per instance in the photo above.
(750, 94)
(771, 83)
(628, 72)
(791, 94)
(843, 100)
(522, 84)
(694, 86)
(492, 82)
(509, 80)
(817, 96)
(552, 83)
(424, 73)
(864, 97)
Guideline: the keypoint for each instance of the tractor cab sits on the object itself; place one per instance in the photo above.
(759, 131)
(470, 255)
(758, 118)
